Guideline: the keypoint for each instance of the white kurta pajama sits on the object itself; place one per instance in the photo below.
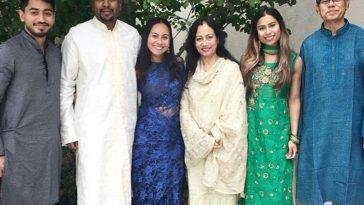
(213, 108)
(98, 64)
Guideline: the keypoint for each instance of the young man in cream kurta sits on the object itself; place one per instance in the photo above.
(213, 109)
(98, 67)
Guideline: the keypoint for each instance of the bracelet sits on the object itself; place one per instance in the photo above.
(294, 138)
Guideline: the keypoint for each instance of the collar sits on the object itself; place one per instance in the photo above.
(33, 42)
(339, 32)
(102, 26)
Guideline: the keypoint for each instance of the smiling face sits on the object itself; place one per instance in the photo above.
(333, 11)
(38, 18)
(158, 41)
(206, 41)
(268, 30)
(107, 11)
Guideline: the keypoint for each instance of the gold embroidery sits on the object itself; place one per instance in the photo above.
(262, 75)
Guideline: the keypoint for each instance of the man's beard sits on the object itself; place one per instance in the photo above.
(108, 19)
(34, 33)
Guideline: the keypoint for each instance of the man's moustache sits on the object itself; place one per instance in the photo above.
(41, 24)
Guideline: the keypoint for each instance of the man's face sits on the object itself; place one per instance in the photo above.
(332, 11)
(107, 11)
(38, 18)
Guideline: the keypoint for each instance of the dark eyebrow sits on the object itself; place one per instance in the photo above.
(35, 9)
(51, 10)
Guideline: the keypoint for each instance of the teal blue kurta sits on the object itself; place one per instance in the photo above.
(331, 159)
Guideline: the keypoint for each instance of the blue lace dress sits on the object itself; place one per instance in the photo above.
(158, 169)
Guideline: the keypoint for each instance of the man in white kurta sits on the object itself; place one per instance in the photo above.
(98, 104)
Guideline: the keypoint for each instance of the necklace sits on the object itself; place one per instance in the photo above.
(270, 49)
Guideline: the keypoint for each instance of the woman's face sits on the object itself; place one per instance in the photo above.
(158, 41)
(268, 29)
(206, 41)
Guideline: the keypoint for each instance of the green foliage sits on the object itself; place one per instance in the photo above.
(68, 181)
(237, 13)
(9, 23)
(70, 13)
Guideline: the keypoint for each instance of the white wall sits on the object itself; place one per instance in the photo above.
(301, 19)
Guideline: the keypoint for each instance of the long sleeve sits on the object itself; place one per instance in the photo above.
(198, 144)
(233, 113)
(213, 109)
(68, 88)
(360, 53)
(300, 122)
(6, 72)
(362, 127)
(229, 161)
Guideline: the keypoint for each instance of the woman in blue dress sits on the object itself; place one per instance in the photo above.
(158, 169)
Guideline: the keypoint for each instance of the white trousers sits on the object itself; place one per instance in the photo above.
(199, 194)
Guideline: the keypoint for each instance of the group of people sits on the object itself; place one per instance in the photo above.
(208, 128)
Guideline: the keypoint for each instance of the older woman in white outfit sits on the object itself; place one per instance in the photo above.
(213, 118)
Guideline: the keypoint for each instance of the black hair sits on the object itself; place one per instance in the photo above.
(24, 3)
(143, 63)
(192, 54)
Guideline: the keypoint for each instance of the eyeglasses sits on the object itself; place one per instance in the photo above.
(327, 2)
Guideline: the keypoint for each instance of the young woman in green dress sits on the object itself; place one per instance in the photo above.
(272, 76)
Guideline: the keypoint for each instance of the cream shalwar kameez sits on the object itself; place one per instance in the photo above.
(98, 65)
(213, 108)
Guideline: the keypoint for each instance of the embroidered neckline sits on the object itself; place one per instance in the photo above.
(265, 74)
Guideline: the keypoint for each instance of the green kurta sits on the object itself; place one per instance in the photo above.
(269, 173)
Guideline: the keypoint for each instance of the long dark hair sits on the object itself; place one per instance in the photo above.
(254, 55)
(192, 54)
(144, 58)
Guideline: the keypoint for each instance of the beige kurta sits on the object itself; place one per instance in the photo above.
(100, 64)
(213, 108)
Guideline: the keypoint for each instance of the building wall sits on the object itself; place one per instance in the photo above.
(301, 19)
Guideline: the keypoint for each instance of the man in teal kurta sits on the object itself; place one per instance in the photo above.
(331, 160)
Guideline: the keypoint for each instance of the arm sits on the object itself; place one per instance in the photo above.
(198, 144)
(360, 53)
(294, 105)
(6, 73)
(68, 88)
(231, 129)
(233, 111)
